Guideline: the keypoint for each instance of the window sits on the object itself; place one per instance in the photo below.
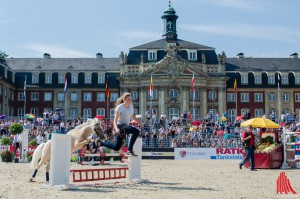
(48, 79)
(87, 113)
(87, 97)
(258, 112)
(285, 97)
(272, 111)
(12, 96)
(212, 95)
(173, 93)
(154, 94)
(134, 95)
(101, 97)
(231, 114)
(285, 79)
(151, 55)
(244, 111)
(88, 78)
(101, 111)
(230, 97)
(60, 96)
(0, 89)
(258, 97)
(195, 113)
(21, 112)
(297, 79)
(244, 97)
(34, 111)
(213, 111)
(258, 79)
(73, 113)
(136, 111)
(35, 78)
(34, 96)
(61, 78)
(173, 112)
(271, 79)
(74, 97)
(47, 96)
(74, 79)
(196, 94)
(192, 54)
(101, 78)
(297, 97)
(272, 97)
(112, 113)
(244, 79)
(114, 97)
(21, 96)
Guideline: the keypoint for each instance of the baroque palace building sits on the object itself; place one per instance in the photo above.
(264, 85)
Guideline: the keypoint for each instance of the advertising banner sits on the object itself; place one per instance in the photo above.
(158, 153)
(208, 153)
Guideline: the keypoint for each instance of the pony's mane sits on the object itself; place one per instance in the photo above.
(91, 122)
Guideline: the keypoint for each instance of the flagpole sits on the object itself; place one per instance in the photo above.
(25, 82)
(107, 93)
(151, 96)
(278, 96)
(193, 90)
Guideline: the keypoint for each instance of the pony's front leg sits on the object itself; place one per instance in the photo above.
(35, 171)
(80, 145)
(47, 172)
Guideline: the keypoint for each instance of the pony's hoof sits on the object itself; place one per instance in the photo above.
(31, 180)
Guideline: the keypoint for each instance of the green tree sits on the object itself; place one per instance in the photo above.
(3, 55)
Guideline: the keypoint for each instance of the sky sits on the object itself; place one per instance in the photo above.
(80, 29)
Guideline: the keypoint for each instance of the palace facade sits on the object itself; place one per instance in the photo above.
(264, 85)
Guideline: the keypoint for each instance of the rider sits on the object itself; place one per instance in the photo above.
(123, 113)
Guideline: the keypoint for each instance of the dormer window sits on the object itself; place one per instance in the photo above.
(152, 55)
(192, 55)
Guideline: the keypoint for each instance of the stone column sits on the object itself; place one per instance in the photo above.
(203, 101)
(142, 105)
(221, 100)
(184, 99)
(161, 100)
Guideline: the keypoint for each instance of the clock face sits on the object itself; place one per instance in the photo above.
(170, 35)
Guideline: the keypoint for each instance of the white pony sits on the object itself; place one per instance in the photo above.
(79, 137)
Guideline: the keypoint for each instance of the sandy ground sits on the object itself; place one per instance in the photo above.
(168, 179)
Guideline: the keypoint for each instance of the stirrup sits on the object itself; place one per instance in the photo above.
(130, 153)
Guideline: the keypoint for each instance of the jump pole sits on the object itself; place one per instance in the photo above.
(135, 163)
(60, 163)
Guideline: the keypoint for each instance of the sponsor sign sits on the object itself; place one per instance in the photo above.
(158, 153)
(208, 153)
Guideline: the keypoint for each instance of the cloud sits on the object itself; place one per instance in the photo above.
(55, 51)
(240, 4)
(250, 31)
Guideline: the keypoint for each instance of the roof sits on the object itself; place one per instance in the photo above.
(160, 44)
(63, 64)
(262, 64)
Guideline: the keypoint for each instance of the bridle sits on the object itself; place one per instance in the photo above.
(99, 131)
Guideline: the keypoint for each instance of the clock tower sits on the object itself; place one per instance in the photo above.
(169, 19)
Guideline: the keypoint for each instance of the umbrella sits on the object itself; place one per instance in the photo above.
(99, 117)
(58, 109)
(2, 116)
(260, 122)
(223, 118)
(29, 116)
(175, 118)
(138, 116)
(239, 118)
(219, 133)
(39, 119)
(196, 122)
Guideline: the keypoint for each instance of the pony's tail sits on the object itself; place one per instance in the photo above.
(37, 155)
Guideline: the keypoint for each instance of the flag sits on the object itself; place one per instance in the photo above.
(278, 81)
(193, 84)
(235, 86)
(25, 87)
(107, 88)
(151, 88)
(66, 83)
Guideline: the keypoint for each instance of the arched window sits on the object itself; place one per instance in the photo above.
(173, 93)
(100, 111)
(87, 113)
(195, 113)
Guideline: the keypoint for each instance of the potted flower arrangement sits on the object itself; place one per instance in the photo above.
(6, 156)
(16, 128)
